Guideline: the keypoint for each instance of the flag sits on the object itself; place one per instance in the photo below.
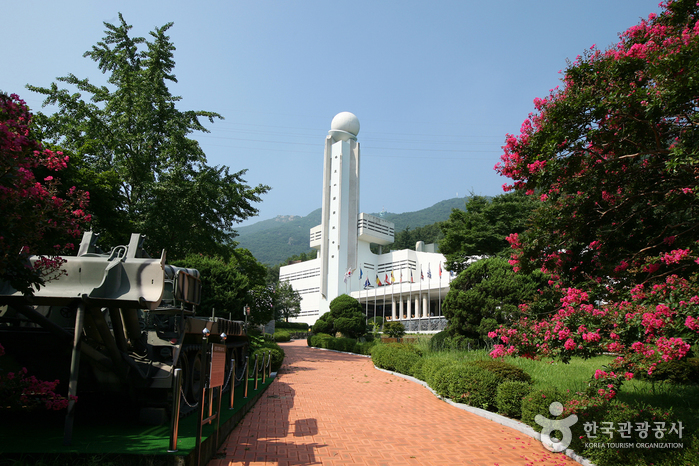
(360, 274)
(411, 276)
(387, 281)
(378, 282)
(366, 283)
(422, 275)
(429, 272)
(401, 275)
(440, 270)
(348, 274)
(393, 279)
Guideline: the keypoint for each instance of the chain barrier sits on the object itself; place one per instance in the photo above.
(242, 373)
(228, 379)
(184, 398)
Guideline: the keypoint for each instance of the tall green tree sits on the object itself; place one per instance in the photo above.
(287, 301)
(133, 137)
(482, 229)
(225, 282)
(489, 293)
(613, 155)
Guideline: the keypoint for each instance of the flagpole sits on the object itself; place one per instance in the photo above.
(429, 280)
(410, 290)
(384, 306)
(401, 293)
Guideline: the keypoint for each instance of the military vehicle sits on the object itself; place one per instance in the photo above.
(136, 319)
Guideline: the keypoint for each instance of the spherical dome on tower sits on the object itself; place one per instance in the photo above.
(345, 122)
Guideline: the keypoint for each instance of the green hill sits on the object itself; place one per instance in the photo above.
(272, 241)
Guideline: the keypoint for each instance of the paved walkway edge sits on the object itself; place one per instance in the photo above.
(491, 416)
(505, 421)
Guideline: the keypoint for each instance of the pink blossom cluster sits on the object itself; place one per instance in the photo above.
(27, 392)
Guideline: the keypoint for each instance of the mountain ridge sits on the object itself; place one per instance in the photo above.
(274, 240)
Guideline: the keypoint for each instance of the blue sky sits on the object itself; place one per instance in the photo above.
(436, 85)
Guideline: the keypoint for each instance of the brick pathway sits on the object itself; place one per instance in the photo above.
(336, 409)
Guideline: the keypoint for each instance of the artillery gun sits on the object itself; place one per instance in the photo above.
(118, 323)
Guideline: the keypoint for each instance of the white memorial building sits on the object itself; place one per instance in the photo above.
(408, 285)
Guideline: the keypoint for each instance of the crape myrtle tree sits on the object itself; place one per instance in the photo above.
(612, 155)
(39, 215)
(130, 135)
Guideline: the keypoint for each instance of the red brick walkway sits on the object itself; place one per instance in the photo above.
(336, 409)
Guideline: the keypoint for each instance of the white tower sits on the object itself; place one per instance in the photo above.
(337, 233)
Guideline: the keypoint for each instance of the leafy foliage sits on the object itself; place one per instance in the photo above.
(345, 316)
(483, 227)
(132, 133)
(489, 290)
(225, 282)
(287, 301)
(394, 329)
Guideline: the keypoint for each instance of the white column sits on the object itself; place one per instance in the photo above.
(407, 302)
(400, 307)
(425, 310)
(393, 308)
(417, 307)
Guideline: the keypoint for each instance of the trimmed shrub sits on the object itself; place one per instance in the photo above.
(538, 402)
(504, 369)
(292, 325)
(417, 369)
(277, 355)
(679, 372)
(282, 336)
(508, 398)
(365, 347)
(348, 345)
(442, 377)
(430, 367)
(395, 357)
(320, 340)
(324, 324)
(597, 412)
(475, 387)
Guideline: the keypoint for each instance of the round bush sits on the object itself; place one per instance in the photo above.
(342, 344)
(320, 340)
(475, 387)
(430, 367)
(508, 398)
(282, 336)
(538, 402)
(397, 357)
(504, 369)
(277, 356)
(442, 377)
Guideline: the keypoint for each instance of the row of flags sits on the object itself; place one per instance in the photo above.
(389, 281)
